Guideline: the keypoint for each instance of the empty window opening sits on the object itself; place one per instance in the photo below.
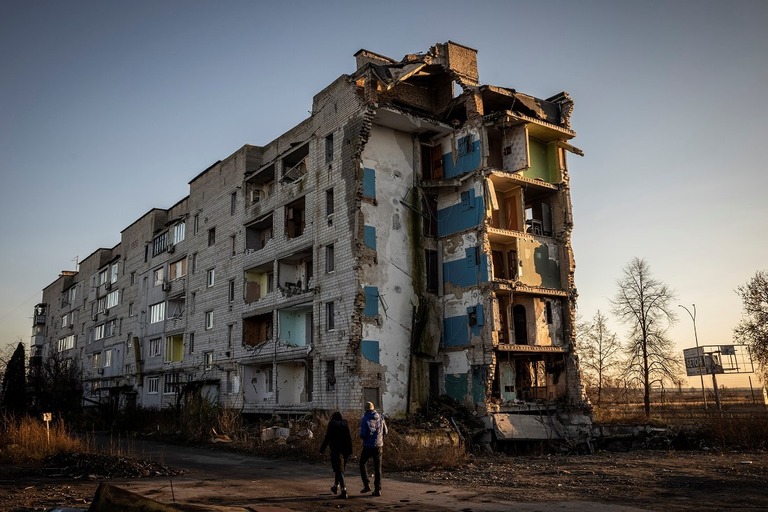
(295, 164)
(330, 264)
(431, 262)
(257, 330)
(261, 186)
(294, 273)
(330, 375)
(295, 218)
(258, 282)
(330, 316)
(329, 148)
(258, 233)
(520, 324)
(431, 162)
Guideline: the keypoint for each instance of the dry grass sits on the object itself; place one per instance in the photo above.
(27, 439)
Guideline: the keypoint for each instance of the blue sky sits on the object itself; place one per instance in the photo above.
(108, 109)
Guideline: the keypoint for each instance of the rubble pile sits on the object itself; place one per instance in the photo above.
(95, 466)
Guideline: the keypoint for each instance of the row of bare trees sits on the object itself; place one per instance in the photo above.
(646, 356)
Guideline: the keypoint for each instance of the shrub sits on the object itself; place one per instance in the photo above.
(26, 439)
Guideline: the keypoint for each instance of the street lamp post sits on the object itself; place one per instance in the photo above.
(696, 338)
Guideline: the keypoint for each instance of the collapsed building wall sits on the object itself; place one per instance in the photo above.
(411, 238)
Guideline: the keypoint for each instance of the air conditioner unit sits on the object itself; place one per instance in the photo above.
(171, 248)
(101, 371)
(166, 287)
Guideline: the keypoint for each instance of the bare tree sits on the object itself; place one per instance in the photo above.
(598, 351)
(643, 303)
(753, 327)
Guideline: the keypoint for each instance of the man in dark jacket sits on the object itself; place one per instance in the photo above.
(339, 439)
(372, 431)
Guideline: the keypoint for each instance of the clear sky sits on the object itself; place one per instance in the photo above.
(108, 109)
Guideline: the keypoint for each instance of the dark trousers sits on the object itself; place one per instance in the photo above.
(338, 463)
(368, 453)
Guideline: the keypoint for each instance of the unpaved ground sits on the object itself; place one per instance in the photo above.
(639, 480)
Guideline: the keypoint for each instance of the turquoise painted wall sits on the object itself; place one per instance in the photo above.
(456, 386)
(293, 328)
(369, 183)
(467, 158)
(371, 301)
(370, 350)
(468, 271)
(369, 236)
(467, 214)
(457, 329)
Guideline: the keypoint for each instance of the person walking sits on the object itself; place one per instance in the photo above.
(339, 439)
(373, 428)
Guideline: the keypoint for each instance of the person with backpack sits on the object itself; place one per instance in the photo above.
(373, 428)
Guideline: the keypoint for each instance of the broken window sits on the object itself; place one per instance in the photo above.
(538, 217)
(431, 263)
(504, 260)
(431, 162)
(329, 148)
(520, 324)
(257, 330)
(176, 307)
(295, 164)
(260, 186)
(258, 282)
(330, 375)
(294, 272)
(330, 264)
(258, 233)
(294, 325)
(295, 218)
(330, 316)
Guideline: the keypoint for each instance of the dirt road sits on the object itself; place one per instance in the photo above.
(633, 481)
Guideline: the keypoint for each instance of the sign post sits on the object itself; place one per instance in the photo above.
(47, 420)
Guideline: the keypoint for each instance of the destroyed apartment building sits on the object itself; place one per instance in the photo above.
(410, 238)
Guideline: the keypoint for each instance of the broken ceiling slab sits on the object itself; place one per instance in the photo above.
(528, 427)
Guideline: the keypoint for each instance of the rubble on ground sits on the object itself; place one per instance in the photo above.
(96, 466)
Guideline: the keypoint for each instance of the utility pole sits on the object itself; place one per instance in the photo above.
(696, 338)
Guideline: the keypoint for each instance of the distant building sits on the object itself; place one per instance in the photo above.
(411, 238)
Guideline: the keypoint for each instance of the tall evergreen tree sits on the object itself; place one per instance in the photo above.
(14, 398)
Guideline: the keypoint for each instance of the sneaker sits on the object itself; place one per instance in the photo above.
(365, 489)
(333, 489)
(343, 494)
(377, 492)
